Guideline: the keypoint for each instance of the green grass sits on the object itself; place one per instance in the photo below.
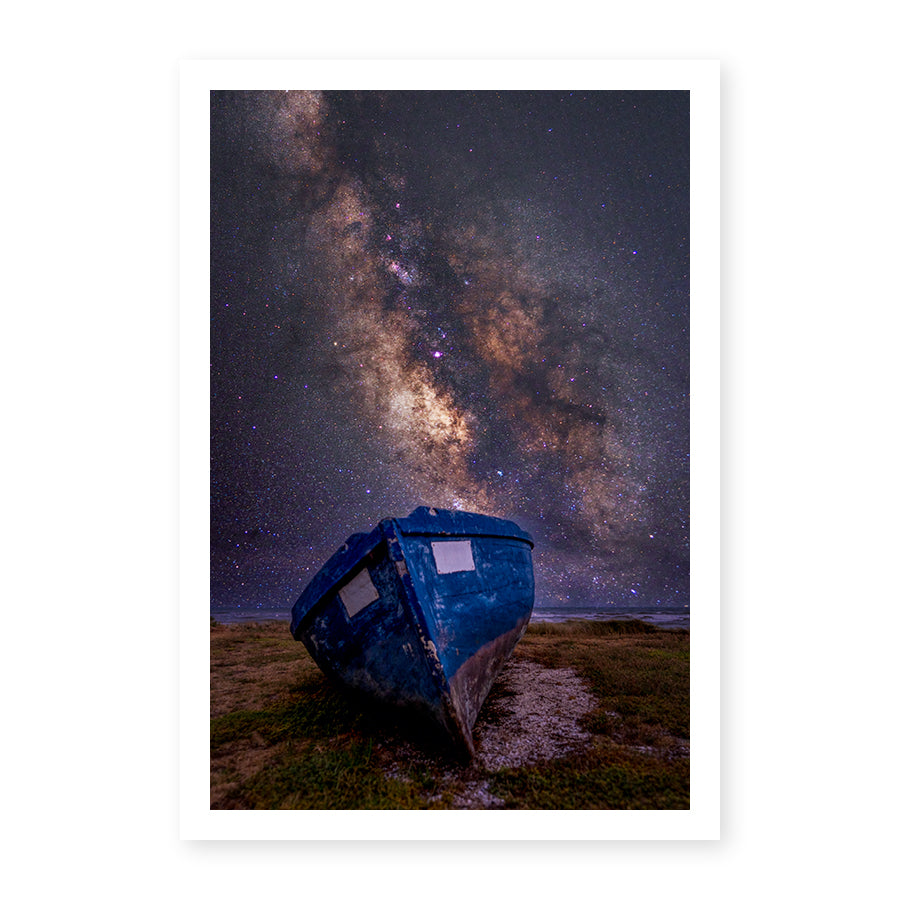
(283, 737)
(610, 779)
(636, 671)
(333, 777)
(314, 710)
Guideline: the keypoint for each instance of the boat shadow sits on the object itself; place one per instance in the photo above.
(401, 737)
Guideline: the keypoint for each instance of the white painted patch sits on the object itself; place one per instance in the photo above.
(359, 593)
(453, 556)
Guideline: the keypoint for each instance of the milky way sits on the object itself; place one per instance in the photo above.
(468, 300)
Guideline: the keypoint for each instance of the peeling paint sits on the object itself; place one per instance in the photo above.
(431, 650)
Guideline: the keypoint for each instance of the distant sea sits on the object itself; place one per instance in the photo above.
(661, 616)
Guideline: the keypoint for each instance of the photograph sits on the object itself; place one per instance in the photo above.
(450, 445)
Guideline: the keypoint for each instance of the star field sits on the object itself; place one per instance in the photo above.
(474, 300)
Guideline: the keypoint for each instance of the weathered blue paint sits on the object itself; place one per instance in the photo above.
(444, 621)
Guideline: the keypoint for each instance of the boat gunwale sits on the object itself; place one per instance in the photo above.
(469, 534)
(425, 520)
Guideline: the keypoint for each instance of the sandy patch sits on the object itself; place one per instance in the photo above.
(534, 717)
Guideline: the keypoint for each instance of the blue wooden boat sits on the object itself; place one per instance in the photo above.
(422, 612)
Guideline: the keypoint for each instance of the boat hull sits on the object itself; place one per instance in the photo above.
(422, 613)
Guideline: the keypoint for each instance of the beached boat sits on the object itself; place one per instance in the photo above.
(422, 612)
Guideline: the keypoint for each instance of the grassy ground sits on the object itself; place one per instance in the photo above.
(283, 737)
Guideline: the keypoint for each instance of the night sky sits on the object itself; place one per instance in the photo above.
(473, 300)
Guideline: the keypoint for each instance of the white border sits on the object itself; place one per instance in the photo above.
(197, 821)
